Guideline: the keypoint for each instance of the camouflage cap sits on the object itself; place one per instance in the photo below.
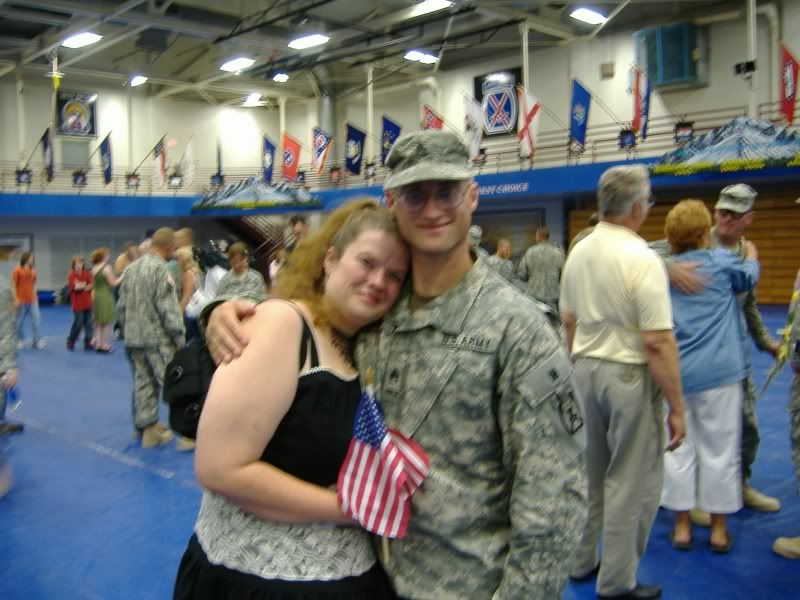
(737, 198)
(428, 155)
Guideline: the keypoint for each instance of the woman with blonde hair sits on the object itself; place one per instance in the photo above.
(277, 423)
(103, 281)
(705, 471)
(189, 280)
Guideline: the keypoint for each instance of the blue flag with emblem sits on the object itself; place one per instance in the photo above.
(268, 159)
(354, 150)
(391, 131)
(499, 108)
(105, 158)
(578, 115)
(47, 151)
(645, 118)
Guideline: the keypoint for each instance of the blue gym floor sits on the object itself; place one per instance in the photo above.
(93, 516)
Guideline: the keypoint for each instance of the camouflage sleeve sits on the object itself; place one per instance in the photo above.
(794, 336)
(543, 440)
(661, 247)
(8, 342)
(522, 268)
(169, 309)
(755, 325)
(122, 299)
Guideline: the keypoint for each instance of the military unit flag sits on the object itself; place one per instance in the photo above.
(321, 145)
(530, 110)
(789, 68)
(354, 150)
(473, 125)
(430, 118)
(390, 133)
(578, 116)
(47, 152)
(105, 159)
(290, 148)
(267, 160)
(159, 164)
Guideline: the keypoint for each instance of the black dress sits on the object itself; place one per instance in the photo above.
(310, 443)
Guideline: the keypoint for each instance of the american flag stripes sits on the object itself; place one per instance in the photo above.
(381, 471)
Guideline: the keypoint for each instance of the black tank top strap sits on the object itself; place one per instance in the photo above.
(307, 342)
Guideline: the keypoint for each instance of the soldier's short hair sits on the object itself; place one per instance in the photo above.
(543, 233)
(237, 249)
(163, 237)
(185, 234)
(620, 188)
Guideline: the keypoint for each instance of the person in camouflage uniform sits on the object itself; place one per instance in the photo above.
(541, 267)
(8, 377)
(733, 212)
(241, 279)
(152, 323)
(473, 371)
(786, 546)
(500, 262)
(475, 236)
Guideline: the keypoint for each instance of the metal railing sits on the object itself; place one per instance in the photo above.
(502, 155)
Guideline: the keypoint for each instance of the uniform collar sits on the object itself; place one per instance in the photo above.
(447, 312)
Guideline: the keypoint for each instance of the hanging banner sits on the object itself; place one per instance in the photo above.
(499, 108)
(430, 118)
(47, 154)
(473, 126)
(320, 145)
(579, 116)
(391, 131)
(219, 156)
(159, 164)
(354, 151)
(105, 158)
(530, 110)
(267, 160)
(290, 149)
(76, 114)
(188, 167)
(789, 68)
(645, 105)
(640, 90)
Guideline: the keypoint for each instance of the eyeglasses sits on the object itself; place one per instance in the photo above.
(447, 195)
(731, 214)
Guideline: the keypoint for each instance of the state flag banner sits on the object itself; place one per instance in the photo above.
(290, 148)
(430, 118)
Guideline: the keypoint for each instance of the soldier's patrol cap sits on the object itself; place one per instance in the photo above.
(428, 155)
(737, 198)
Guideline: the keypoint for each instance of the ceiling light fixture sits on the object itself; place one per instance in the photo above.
(280, 78)
(81, 39)
(429, 6)
(253, 99)
(587, 15)
(421, 57)
(309, 41)
(138, 80)
(237, 64)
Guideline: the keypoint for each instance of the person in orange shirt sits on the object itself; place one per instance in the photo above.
(23, 286)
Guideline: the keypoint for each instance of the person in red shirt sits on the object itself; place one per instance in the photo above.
(23, 286)
(79, 284)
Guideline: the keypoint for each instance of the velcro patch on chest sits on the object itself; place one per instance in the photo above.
(477, 342)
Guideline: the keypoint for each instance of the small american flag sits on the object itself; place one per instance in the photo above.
(380, 472)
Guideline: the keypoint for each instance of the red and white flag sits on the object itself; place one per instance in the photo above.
(381, 471)
(291, 156)
(789, 68)
(530, 110)
(430, 118)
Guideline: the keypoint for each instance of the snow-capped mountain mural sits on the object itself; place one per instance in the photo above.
(741, 144)
(254, 193)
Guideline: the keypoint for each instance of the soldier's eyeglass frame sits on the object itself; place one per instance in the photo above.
(731, 214)
(447, 194)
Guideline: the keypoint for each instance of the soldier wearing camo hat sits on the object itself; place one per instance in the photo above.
(733, 213)
(471, 369)
(150, 316)
(474, 236)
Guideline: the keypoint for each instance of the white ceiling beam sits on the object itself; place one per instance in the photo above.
(108, 42)
(540, 24)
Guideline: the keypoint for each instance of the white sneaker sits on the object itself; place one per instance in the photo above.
(39, 344)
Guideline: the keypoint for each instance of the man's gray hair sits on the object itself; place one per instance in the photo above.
(620, 188)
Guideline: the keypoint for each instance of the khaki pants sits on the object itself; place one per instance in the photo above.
(625, 465)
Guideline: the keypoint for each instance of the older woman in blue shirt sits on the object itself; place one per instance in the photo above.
(705, 470)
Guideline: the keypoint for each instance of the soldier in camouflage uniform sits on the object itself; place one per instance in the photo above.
(151, 320)
(8, 377)
(541, 267)
(732, 214)
(475, 236)
(471, 369)
(241, 279)
(500, 260)
(786, 546)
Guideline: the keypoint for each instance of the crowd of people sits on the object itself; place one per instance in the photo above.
(559, 403)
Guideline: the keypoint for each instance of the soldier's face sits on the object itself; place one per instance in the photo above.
(239, 263)
(504, 249)
(363, 283)
(435, 227)
(731, 224)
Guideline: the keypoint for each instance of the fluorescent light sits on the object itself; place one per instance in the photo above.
(137, 80)
(309, 41)
(280, 78)
(499, 77)
(253, 99)
(429, 6)
(92, 98)
(421, 57)
(237, 64)
(587, 15)
(81, 39)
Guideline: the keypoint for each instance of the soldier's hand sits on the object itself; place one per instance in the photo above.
(677, 430)
(9, 380)
(225, 337)
(750, 251)
(773, 348)
(684, 276)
